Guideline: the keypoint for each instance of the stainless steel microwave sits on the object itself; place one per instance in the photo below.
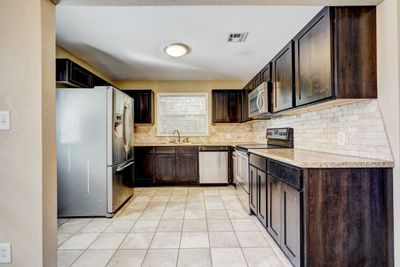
(258, 101)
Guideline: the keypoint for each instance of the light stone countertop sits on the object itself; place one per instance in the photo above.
(311, 159)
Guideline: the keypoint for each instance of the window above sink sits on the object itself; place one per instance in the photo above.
(186, 112)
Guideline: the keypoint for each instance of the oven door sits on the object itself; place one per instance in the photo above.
(242, 176)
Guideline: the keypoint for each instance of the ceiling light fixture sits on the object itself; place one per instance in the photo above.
(177, 50)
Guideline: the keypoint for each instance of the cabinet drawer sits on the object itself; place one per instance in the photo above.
(259, 162)
(187, 150)
(165, 150)
(291, 175)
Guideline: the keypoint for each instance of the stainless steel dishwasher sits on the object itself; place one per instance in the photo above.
(213, 164)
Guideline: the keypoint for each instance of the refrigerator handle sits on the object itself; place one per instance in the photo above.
(121, 168)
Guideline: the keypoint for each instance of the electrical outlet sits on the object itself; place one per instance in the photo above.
(341, 138)
(5, 120)
(5, 252)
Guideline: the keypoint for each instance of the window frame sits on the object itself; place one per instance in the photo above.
(205, 94)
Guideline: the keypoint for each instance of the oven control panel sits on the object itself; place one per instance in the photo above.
(279, 133)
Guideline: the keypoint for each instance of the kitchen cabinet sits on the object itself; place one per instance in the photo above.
(144, 105)
(324, 217)
(71, 75)
(226, 106)
(258, 187)
(313, 59)
(290, 223)
(245, 101)
(283, 79)
(253, 189)
(265, 74)
(262, 197)
(274, 208)
(165, 168)
(177, 165)
(187, 170)
(321, 65)
(144, 166)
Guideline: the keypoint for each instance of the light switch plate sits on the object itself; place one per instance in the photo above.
(341, 138)
(5, 252)
(5, 120)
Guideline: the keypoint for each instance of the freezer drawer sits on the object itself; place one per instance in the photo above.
(213, 167)
(120, 185)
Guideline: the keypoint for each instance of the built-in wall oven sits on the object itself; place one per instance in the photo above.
(258, 101)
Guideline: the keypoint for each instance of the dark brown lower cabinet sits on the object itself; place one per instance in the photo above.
(274, 208)
(177, 165)
(166, 168)
(262, 197)
(290, 222)
(144, 166)
(187, 168)
(253, 189)
(258, 188)
(327, 217)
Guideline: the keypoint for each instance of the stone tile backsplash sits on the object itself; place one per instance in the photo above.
(218, 133)
(361, 123)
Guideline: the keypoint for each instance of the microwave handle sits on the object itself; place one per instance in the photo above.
(258, 102)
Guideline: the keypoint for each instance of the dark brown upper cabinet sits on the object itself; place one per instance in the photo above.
(313, 59)
(283, 79)
(71, 75)
(144, 105)
(226, 106)
(265, 73)
(245, 101)
(335, 55)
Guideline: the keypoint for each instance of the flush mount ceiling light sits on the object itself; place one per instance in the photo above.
(177, 50)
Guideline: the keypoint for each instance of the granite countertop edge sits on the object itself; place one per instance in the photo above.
(319, 160)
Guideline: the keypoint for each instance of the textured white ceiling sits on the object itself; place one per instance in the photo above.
(126, 42)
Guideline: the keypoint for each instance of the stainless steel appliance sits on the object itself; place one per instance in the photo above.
(258, 101)
(277, 138)
(94, 152)
(213, 165)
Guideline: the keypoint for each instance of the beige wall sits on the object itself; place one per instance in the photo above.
(27, 152)
(62, 53)
(388, 26)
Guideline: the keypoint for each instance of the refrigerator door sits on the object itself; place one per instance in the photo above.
(120, 184)
(115, 127)
(128, 126)
(81, 152)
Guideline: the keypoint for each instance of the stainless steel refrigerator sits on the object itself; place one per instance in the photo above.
(94, 151)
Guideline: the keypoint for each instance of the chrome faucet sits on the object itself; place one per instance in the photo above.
(179, 135)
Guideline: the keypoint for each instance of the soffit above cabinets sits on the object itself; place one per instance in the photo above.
(127, 42)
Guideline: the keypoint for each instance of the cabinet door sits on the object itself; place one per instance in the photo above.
(144, 107)
(262, 197)
(166, 168)
(234, 109)
(283, 83)
(144, 166)
(245, 101)
(313, 54)
(253, 189)
(187, 168)
(219, 110)
(290, 239)
(274, 207)
(266, 73)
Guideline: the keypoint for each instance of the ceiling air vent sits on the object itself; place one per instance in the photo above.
(237, 37)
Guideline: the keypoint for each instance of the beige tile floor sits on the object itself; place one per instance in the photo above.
(170, 226)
